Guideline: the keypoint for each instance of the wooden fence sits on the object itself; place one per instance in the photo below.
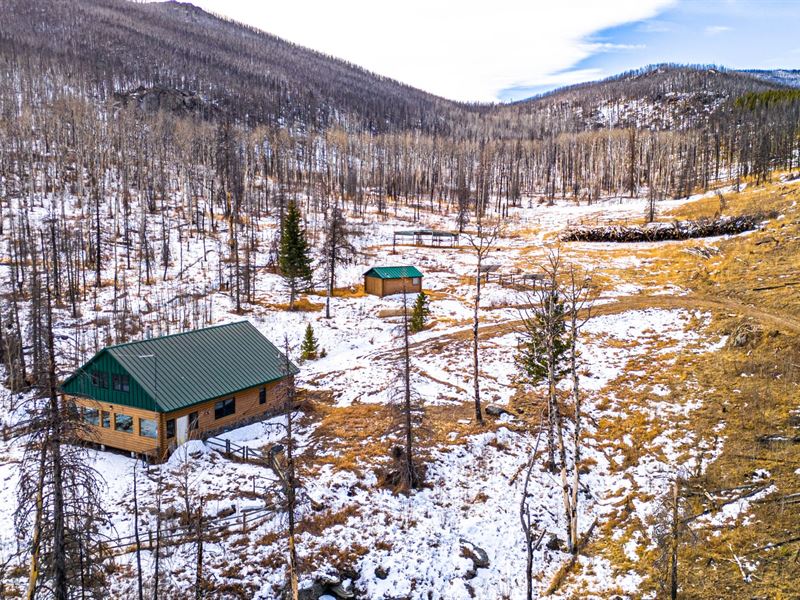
(231, 450)
(177, 534)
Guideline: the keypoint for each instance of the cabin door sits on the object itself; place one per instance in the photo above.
(181, 429)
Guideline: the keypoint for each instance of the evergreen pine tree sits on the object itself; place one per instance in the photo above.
(309, 348)
(293, 257)
(420, 312)
(547, 322)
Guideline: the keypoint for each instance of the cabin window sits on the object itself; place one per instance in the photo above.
(194, 421)
(415, 281)
(148, 428)
(91, 416)
(100, 379)
(224, 408)
(262, 395)
(123, 423)
(170, 428)
(105, 419)
(121, 383)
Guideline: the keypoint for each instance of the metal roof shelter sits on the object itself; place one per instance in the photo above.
(393, 272)
(176, 371)
(427, 237)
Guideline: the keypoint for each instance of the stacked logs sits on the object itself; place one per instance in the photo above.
(660, 232)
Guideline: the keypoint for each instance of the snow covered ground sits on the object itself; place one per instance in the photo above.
(401, 546)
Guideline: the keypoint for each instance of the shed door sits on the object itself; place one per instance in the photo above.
(181, 429)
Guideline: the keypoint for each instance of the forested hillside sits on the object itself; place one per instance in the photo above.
(573, 142)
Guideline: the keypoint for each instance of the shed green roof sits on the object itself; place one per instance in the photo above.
(393, 272)
(176, 371)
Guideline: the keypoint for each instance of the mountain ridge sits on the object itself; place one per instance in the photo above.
(257, 77)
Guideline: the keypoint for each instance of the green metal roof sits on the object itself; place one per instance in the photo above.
(393, 272)
(176, 371)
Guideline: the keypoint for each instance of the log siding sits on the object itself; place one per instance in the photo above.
(248, 409)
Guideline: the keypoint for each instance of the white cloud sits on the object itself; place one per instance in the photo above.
(716, 29)
(460, 50)
(611, 47)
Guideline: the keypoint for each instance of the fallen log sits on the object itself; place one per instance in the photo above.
(661, 232)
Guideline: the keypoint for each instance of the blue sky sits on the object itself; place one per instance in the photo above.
(741, 34)
(502, 50)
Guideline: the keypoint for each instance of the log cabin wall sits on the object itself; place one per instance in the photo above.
(396, 286)
(247, 403)
(113, 437)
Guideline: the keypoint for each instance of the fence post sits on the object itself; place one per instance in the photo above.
(244, 451)
(228, 447)
(244, 522)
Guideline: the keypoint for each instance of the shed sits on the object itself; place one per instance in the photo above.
(383, 281)
(151, 395)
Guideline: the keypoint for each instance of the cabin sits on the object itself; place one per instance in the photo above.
(148, 397)
(383, 281)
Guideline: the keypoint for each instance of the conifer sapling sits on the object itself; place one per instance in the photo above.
(420, 312)
(309, 349)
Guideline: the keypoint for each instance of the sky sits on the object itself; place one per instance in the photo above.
(504, 50)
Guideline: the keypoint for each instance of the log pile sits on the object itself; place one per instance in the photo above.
(660, 232)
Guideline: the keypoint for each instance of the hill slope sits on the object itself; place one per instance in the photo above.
(790, 77)
(117, 46)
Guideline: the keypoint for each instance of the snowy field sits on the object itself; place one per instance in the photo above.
(398, 546)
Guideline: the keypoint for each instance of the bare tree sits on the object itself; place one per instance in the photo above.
(199, 578)
(482, 242)
(579, 304)
(286, 471)
(337, 248)
(137, 541)
(548, 352)
(543, 344)
(57, 514)
(669, 525)
(533, 537)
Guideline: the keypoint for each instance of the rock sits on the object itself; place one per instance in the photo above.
(744, 334)
(381, 572)
(315, 592)
(343, 590)
(554, 543)
(156, 98)
(478, 556)
(330, 584)
(493, 410)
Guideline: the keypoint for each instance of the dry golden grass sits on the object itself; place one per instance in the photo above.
(751, 406)
(301, 304)
(356, 291)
